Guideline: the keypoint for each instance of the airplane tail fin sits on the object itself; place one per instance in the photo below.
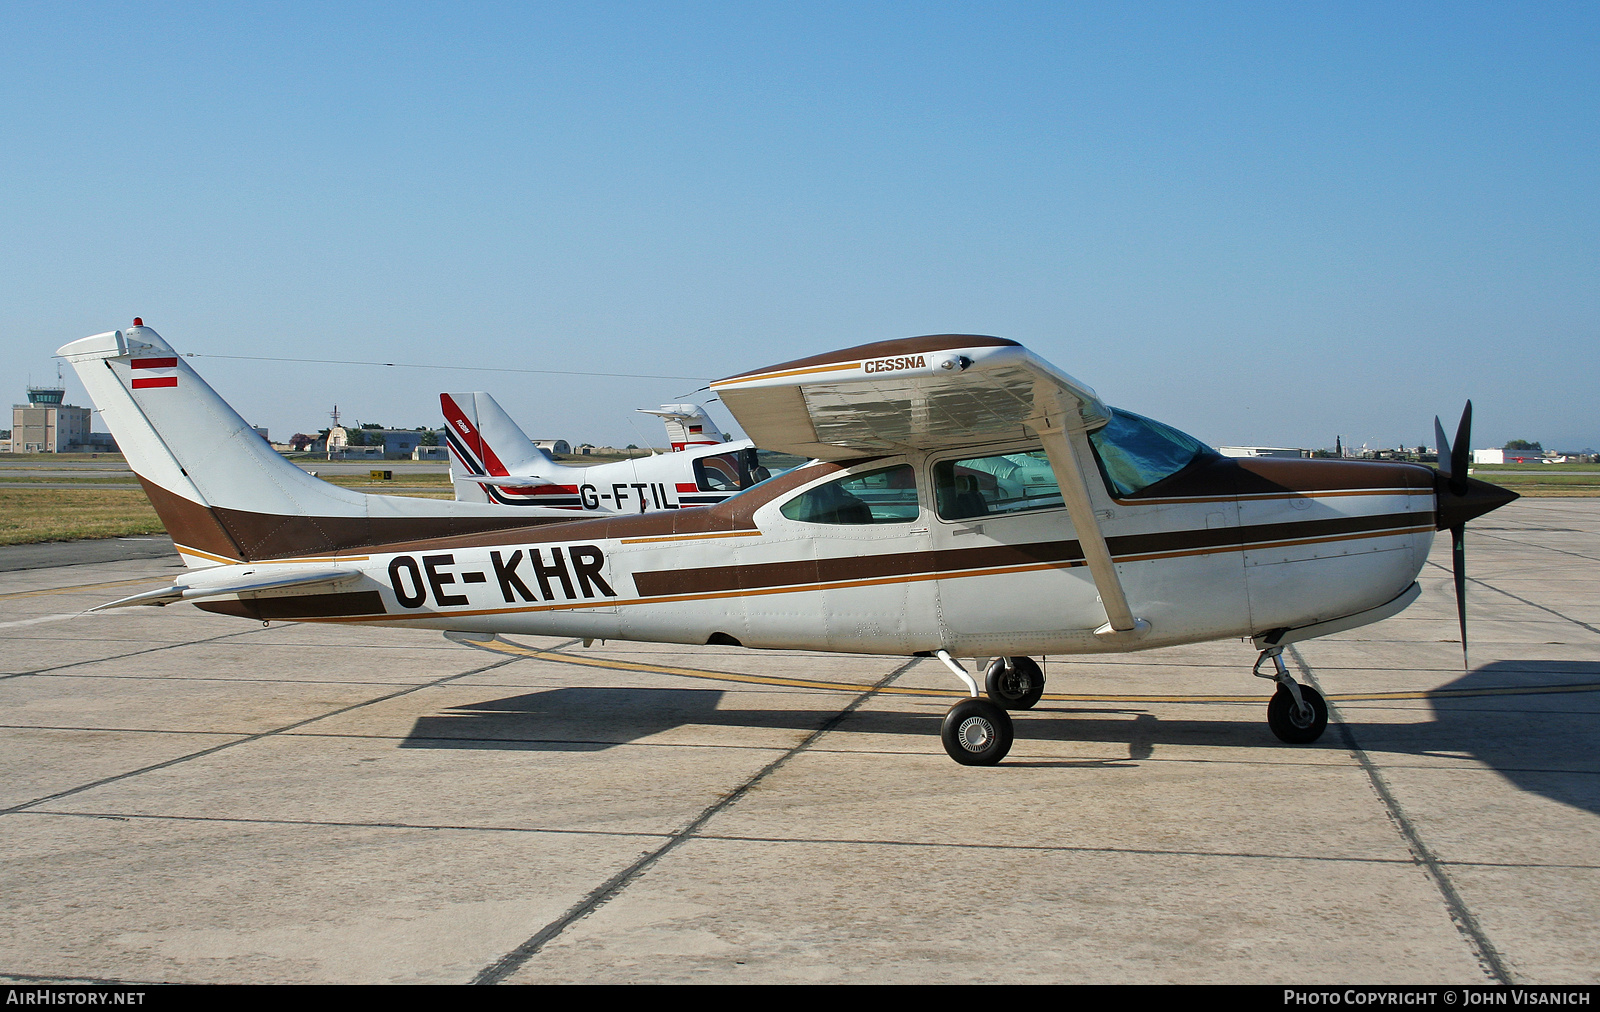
(222, 492)
(688, 425)
(484, 441)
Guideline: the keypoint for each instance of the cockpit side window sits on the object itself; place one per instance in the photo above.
(887, 496)
(992, 486)
(1135, 452)
(738, 470)
(725, 472)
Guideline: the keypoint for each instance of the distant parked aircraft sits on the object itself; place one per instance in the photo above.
(493, 460)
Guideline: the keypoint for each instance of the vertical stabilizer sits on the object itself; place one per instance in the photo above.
(485, 441)
(222, 492)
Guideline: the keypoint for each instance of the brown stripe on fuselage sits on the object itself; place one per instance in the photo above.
(864, 567)
(882, 349)
(716, 579)
(1273, 496)
(1253, 534)
(1261, 475)
(1215, 477)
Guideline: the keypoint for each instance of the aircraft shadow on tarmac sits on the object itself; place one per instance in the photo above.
(1546, 743)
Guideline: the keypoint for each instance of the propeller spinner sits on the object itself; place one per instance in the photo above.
(1457, 499)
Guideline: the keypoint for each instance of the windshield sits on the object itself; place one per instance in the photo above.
(1135, 452)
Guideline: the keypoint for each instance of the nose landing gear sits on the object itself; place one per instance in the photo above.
(1015, 683)
(1297, 713)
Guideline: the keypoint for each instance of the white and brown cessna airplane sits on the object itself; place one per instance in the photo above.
(966, 500)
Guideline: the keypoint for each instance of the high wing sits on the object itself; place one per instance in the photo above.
(925, 393)
(938, 392)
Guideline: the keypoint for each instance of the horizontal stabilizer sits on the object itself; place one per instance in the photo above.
(687, 425)
(193, 588)
(512, 481)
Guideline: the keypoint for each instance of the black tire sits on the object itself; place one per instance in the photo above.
(1289, 724)
(1017, 690)
(976, 732)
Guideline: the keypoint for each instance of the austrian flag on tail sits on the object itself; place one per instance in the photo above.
(154, 372)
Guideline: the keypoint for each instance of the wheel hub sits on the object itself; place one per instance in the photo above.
(976, 734)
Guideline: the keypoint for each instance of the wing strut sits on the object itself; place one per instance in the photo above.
(1067, 466)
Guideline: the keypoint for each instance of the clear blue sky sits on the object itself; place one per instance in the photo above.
(1263, 223)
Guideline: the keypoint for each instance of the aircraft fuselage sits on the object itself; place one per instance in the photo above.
(1224, 548)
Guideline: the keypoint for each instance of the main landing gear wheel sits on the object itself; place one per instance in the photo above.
(976, 732)
(1017, 689)
(1292, 724)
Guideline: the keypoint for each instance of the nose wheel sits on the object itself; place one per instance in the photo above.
(1297, 713)
(1015, 683)
(1297, 724)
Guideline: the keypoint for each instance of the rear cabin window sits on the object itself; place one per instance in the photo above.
(888, 496)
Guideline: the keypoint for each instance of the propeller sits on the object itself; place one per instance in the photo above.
(1457, 499)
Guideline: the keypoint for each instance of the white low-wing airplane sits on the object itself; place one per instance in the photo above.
(493, 461)
(968, 500)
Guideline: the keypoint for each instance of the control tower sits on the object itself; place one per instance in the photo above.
(47, 425)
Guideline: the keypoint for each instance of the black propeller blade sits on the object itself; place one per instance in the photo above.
(1457, 499)
(1458, 565)
(1459, 452)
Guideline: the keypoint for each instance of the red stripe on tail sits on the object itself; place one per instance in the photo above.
(469, 434)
